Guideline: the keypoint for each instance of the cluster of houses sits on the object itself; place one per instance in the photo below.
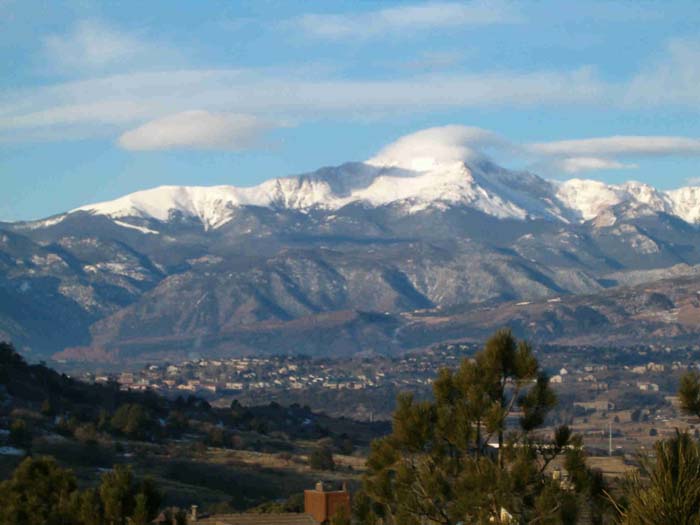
(215, 376)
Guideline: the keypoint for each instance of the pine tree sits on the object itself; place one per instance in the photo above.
(117, 495)
(459, 458)
(38, 493)
(141, 511)
(667, 489)
(89, 508)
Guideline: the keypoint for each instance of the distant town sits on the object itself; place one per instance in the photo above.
(625, 393)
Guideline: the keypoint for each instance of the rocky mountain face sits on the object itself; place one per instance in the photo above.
(345, 259)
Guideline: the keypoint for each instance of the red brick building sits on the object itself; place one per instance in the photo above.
(322, 504)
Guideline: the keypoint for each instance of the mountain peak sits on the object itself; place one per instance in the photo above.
(432, 168)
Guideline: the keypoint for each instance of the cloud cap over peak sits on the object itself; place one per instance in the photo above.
(439, 145)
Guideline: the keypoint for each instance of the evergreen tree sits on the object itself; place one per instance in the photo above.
(117, 495)
(38, 493)
(133, 420)
(322, 458)
(89, 508)
(20, 435)
(689, 393)
(458, 458)
(141, 511)
(667, 489)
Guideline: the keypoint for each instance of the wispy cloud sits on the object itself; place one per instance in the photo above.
(92, 45)
(405, 20)
(196, 130)
(572, 165)
(622, 146)
(127, 99)
(113, 105)
(672, 79)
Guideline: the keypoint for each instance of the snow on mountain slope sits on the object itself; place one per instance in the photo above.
(445, 184)
(430, 168)
(589, 198)
(686, 203)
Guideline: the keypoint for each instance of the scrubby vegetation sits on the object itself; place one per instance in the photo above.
(231, 458)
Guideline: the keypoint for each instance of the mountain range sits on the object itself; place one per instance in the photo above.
(423, 243)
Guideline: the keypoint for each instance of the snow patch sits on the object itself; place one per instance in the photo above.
(142, 229)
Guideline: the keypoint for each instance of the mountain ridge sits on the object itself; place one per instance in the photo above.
(458, 184)
(416, 173)
(339, 249)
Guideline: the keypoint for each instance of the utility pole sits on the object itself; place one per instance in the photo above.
(610, 438)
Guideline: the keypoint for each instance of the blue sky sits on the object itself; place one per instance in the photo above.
(98, 99)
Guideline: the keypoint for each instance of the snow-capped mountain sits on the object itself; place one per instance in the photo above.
(483, 186)
(296, 263)
(413, 177)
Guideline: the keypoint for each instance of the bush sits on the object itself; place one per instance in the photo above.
(134, 421)
(20, 435)
(322, 458)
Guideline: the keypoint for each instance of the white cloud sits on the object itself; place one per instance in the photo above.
(419, 150)
(405, 20)
(454, 143)
(126, 99)
(579, 164)
(621, 146)
(94, 45)
(196, 130)
(109, 105)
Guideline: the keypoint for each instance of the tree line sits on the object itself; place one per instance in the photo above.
(40, 492)
(476, 453)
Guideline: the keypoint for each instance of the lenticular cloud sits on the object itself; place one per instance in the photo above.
(195, 130)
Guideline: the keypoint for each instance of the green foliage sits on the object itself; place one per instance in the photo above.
(20, 435)
(666, 489)
(47, 408)
(38, 493)
(437, 465)
(116, 495)
(294, 503)
(322, 458)
(133, 420)
(140, 516)
(689, 393)
(340, 517)
(89, 507)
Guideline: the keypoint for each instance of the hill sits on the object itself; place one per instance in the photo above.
(228, 458)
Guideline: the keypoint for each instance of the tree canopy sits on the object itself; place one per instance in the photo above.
(40, 492)
(473, 453)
